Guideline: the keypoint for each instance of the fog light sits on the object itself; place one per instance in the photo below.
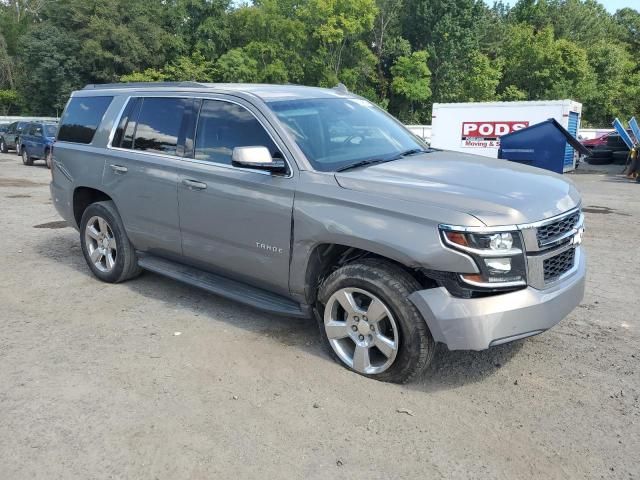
(501, 241)
(498, 265)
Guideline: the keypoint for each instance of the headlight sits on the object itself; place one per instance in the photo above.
(498, 255)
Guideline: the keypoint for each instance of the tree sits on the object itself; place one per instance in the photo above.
(49, 70)
(236, 66)
(545, 68)
(411, 78)
(8, 101)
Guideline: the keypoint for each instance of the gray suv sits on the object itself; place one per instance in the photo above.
(314, 202)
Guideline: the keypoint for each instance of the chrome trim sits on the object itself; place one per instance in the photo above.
(479, 229)
(517, 283)
(535, 266)
(114, 127)
(549, 220)
(484, 253)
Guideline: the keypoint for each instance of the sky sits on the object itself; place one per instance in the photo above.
(611, 5)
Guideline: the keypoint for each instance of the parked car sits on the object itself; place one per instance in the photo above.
(306, 201)
(604, 140)
(36, 142)
(9, 139)
(3, 127)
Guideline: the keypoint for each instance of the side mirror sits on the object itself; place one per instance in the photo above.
(258, 158)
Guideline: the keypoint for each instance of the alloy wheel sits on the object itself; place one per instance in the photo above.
(361, 330)
(101, 244)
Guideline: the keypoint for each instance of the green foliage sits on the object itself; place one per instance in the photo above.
(401, 54)
(8, 101)
(49, 70)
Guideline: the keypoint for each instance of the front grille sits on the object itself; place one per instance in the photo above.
(555, 267)
(548, 233)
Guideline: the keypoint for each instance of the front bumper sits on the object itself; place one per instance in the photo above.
(479, 323)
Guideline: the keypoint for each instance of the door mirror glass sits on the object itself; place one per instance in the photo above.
(257, 157)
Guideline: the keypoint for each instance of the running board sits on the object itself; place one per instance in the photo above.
(225, 287)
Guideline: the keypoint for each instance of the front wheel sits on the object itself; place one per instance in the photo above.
(3, 146)
(369, 324)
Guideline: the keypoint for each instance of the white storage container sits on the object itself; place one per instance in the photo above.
(477, 127)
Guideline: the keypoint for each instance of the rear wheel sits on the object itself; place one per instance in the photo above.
(369, 324)
(26, 158)
(48, 158)
(3, 146)
(105, 245)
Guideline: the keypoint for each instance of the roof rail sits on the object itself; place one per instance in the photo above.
(100, 86)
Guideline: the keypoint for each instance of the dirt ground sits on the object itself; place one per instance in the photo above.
(153, 379)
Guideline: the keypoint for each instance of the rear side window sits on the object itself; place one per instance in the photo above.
(158, 124)
(81, 118)
(222, 126)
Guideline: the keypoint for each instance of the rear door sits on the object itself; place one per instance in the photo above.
(233, 220)
(36, 141)
(141, 172)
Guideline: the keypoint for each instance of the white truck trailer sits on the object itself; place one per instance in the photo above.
(477, 127)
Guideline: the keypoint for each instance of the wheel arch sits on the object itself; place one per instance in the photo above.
(324, 258)
(83, 197)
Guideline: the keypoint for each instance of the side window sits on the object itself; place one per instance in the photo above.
(158, 125)
(222, 126)
(122, 125)
(37, 130)
(81, 118)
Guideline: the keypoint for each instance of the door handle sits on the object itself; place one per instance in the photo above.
(194, 185)
(119, 169)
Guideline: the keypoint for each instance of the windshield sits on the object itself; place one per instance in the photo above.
(336, 132)
(50, 130)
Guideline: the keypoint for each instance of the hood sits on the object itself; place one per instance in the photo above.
(497, 192)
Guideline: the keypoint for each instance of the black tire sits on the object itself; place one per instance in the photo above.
(26, 158)
(599, 160)
(620, 158)
(48, 158)
(126, 261)
(392, 285)
(17, 144)
(601, 153)
(3, 146)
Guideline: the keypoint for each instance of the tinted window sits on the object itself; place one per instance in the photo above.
(336, 132)
(159, 124)
(36, 130)
(124, 119)
(222, 126)
(50, 130)
(81, 118)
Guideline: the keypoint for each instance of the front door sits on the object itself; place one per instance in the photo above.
(235, 221)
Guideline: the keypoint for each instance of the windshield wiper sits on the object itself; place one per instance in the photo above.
(413, 151)
(364, 163)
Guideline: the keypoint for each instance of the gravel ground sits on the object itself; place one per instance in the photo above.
(153, 379)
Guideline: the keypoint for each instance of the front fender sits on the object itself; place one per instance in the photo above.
(402, 231)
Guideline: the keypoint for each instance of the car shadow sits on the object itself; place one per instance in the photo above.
(288, 331)
(453, 369)
(448, 370)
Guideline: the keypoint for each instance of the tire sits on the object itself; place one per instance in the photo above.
(374, 285)
(26, 158)
(620, 158)
(599, 160)
(17, 147)
(3, 146)
(48, 159)
(601, 153)
(109, 264)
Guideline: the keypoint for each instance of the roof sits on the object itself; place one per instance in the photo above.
(266, 92)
